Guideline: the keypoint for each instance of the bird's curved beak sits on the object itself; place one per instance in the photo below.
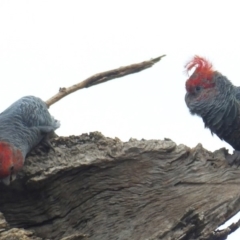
(7, 180)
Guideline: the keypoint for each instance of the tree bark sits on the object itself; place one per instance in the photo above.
(93, 187)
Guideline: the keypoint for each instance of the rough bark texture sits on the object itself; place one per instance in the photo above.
(93, 187)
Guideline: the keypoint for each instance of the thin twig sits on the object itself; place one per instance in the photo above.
(103, 77)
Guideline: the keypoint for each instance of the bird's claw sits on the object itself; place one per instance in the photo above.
(45, 143)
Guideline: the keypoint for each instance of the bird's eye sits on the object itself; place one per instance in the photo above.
(198, 88)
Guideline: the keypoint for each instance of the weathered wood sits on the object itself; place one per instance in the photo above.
(103, 77)
(94, 187)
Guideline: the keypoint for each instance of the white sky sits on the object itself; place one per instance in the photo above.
(45, 45)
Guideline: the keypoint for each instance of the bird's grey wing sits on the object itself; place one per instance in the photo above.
(35, 114)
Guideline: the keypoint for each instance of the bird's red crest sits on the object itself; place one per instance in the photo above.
(202, 75)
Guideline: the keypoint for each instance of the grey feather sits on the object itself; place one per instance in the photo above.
(26, 122)
(219, 109)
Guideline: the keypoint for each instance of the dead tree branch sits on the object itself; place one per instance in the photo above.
(103, 77)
